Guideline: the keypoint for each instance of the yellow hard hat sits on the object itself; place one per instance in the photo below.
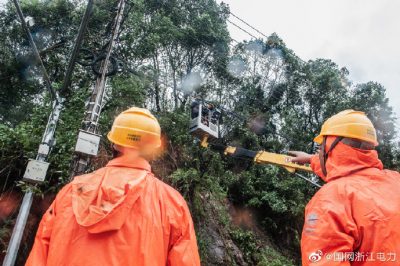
(136, 128)
(349, 124)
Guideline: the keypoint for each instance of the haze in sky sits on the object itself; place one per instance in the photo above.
(361, 35)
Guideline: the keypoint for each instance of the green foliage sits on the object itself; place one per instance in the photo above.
(175, 127)
(271, 257)
(256, 253)
(371, 98)
(246, 242)
(19, 144)
(5, 234)
(21, 86)
(185, 179)
(66, 136)
(278, 199)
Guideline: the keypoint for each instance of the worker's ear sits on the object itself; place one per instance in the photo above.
(115, 151)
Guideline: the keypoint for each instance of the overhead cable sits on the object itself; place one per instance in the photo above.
(237, 26)
(77, 45)
(36, 52)
(249, 25)
(308, 180)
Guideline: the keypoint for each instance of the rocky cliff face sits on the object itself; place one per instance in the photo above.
(230, 235)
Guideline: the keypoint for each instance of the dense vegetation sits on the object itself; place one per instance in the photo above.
(245, 214)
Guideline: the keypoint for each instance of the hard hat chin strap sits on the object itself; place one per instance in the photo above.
(116, 153)
(323, 155)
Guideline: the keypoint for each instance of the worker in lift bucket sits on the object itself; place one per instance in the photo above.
(120, 214)
(354, 219)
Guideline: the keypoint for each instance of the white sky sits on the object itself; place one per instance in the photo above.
(362, 35)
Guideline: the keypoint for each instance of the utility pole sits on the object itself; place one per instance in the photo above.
(37, 169)
(35, 172)
(88, 140)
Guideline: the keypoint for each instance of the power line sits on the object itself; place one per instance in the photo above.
(237, 26)
(308, 180)
(77, 45)
(46, 78)
(220, 64)
(249, 25)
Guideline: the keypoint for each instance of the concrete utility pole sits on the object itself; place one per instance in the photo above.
(37, 169)
(88, 140)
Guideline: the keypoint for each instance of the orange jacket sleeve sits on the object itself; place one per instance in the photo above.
(183, 250)
(329, 233)
(39, 252)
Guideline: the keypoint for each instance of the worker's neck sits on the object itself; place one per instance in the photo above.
(129, 155)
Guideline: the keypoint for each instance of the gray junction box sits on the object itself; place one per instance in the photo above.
(36, 171)
(88, 143)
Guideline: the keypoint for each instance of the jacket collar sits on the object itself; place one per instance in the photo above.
(130, 161)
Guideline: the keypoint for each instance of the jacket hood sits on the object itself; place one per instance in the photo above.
(344, 160)
(101, 203)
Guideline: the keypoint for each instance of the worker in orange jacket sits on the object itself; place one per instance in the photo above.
(354, 219)
(120, 214)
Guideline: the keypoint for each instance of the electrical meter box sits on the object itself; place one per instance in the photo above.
(88, 143)
(36, 171)
(204, 120)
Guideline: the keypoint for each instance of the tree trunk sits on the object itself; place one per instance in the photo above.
(156, 83)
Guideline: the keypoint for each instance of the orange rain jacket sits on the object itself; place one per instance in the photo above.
(118, 215)
(354, 219)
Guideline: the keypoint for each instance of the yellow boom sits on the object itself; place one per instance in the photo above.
(261, 157)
